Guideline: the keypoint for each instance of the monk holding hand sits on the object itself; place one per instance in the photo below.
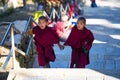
(80, 40)
(44, 39)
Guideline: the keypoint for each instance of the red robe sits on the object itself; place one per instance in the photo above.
(44, 40)
(80, 42)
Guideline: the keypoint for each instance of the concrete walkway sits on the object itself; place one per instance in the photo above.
(57, 74)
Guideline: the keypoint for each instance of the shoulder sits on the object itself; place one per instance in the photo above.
(74, 27)
(88, 31)
(49, 28)
(36, 27)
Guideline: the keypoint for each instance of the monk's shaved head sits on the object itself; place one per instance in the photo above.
(82, 19)
(43, 18)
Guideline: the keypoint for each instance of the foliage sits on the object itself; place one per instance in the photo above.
(7, 12)
(25, 61)
(3, 75)
(2, 2)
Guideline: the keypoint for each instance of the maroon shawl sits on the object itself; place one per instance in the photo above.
(80, 40)
(44, 40)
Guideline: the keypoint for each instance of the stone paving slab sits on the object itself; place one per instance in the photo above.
(58, 74)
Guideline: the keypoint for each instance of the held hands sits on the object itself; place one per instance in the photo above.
(61, 46)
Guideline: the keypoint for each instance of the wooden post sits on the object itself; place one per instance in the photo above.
(15, 62)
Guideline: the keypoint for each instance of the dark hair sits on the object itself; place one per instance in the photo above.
(43, 18)
(82, 19)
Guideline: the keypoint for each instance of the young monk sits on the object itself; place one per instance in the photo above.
(80, 40)
(44, 38)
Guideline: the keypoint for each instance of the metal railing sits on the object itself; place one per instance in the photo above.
(13, 48)
(31, 38)
(7, 31)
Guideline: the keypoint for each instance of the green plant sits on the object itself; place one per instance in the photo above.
(25, 61)
(7, 12)
(3, 75)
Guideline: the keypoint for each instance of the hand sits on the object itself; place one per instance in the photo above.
(61, 47)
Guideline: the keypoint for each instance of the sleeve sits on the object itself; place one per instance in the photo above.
(34, 30)
(87, 43)
(74, 39)
(30, 31)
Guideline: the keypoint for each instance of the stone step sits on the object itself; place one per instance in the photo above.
(58, 74)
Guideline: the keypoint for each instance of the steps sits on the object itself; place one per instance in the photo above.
(58, 74)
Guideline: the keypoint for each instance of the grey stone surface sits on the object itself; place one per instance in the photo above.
(110, 64)
(118, 64)
(55, 74)
(110, 78)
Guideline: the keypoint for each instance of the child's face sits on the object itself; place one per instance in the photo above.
(80, 25)
(42, 24)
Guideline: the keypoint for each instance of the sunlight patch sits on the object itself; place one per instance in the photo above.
(115, 36)
(97, 41)
(97, 21)
(102, 22)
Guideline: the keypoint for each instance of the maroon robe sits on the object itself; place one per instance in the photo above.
(80, 42)
(44, 40)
